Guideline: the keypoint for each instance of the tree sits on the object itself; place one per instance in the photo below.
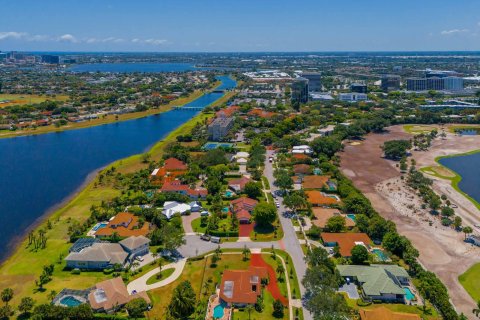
(457, 222)
(253, 190)
(183, 301)
(378, 226)
(467, 230)
(277, 309)
(447, 211)
(26, 305)
(245, 253)
(335, 224)
(359, 254)
(6, 312)
(280, 270)
(294, 201)
(326, 145)
(7, 295)
(476, 311)
(264, 214)
(434, 203)
(396, 149)
(136, 308)
(283, 180)
(358, 204)
(249, 308)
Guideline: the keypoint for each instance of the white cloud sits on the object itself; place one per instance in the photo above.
(67, 38)
(453, 31)
(12, 35)
(155, 41)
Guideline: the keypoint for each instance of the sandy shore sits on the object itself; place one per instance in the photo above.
(442, 250)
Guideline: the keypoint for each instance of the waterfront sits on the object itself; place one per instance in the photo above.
(468, 168)
(39, 172)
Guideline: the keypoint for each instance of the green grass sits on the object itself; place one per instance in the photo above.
(470, 280)
(22, 99)
(197, 227)
(292, 274)
(266, 183)
(267, 233)
(163, 275)
(266, 314)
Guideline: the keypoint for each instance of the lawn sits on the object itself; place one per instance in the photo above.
(292, 274)
(197, 225)
(267, 233)
(163, 275)
(470, 280)
(21, 99)
(266, 314)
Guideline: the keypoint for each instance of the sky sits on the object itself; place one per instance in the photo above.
(239, 25)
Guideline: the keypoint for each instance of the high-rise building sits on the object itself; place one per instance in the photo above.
(50, 59)
(300, 90)
(314, 81)
(453, 83)
(390, 82)
(416, 84)
(219, 128)
(435, 83)
(358, 88)
(439, 74)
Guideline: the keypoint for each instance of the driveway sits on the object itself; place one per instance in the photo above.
(187, 222)
(351, 290)
(140, 284)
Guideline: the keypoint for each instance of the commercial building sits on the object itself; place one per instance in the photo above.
(358, 88)
(300, 90)
(219, 128)
(314, 81)
(353, 97)
(390, 82)
(453, 83)
(50, 59)
(435, 83)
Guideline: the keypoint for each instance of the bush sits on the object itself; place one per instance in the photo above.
(108, 271)
(76, 271)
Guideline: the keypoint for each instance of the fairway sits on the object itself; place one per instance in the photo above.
(470, 280)
(7, 100)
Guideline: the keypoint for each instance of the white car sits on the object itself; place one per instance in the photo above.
(278, 205)
(139, 259)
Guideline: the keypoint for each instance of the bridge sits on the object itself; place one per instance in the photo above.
(188, 108)
(218, 91)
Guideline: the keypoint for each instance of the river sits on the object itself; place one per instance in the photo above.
(38, 172)
(468, 167)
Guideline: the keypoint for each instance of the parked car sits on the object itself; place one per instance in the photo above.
(139, 258)
(205, 237)
(215, 239)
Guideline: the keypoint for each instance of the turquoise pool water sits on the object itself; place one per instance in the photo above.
(218, 311)
(229, 193)
(100, 226)
(225, 210)
(70, 301)
(380, 254)
(352, 217)
(213, 145)
(408, 294)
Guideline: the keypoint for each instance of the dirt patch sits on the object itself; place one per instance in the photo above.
(442, 249)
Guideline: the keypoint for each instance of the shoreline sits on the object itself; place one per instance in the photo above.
(57, 209)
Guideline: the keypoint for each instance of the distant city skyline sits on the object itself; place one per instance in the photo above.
(240, 26)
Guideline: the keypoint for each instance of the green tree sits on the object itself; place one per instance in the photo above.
(467, 230)
(264, 214)
(283, 180)
(396, 149)
(6, 312)
(183, 301)
(357, 204)
(253, 190)
(335, 224)
(359, 254)
(136, 308)
(278, 309)
(26, 305)
(457, 222)
(326, 145)
(294, 201)
(7, 295)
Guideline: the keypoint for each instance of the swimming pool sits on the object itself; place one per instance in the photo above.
(218, 311)
(408, 294)
(225, 210)
(352, 217)
(100, 226)
(70, 301)
(213, 145)
(380, 254)
(229, 193)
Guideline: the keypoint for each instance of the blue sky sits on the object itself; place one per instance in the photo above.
(240, 25)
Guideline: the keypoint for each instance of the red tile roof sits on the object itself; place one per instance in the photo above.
(301, 168)
(241, 182)
(346, 241)
(173, 164)
(314, 182)
(125, 224)
(243, 203)
(317, 198)
(228, 112)
(242, 286)
(261, 113)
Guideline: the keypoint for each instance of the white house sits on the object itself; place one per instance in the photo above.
(242, 161)
(324, 132)
(195, 206)
(170, 208)
(241, 154)
(303, 149)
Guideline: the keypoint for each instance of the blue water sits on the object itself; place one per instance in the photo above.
(380, 254)
(38, 172)
(468, 167)
(133, 67)
(352, 217)
(70, 301)
(218, 311)
(100, 226)
(408, 294)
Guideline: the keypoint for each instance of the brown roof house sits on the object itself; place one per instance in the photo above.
(125, 224)
(323, 214)
(345, 241)
(243, 208)
(319, 199)
(242, 287)
(238, 185)
(112, 294)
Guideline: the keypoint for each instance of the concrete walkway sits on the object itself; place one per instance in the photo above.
(140, 284)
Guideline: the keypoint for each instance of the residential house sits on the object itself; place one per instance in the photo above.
(243, 208)
(303, 149)
(345, 241)
(238, 185)
(301, 169)
(382, 313)
(176, 186)
(124, 224)
(227, 112)
(98, 256)
(323, 214)
(378, 282)
(110, 295)
(320, 199)
(327, 131)
(170, 208)
(318, 182)
(135, 246)
(195, 206)
(171, 170)
(257, 112)
(242, 287)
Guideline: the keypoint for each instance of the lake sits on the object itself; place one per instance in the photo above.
(467, 166)
(37, 172)
(133, 67)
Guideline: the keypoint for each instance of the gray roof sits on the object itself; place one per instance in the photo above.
(134, 242)
(100, 252)
(376, 279)
(83, 243)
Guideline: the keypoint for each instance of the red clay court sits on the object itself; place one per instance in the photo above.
(256, 260)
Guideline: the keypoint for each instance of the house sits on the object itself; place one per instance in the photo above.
(195, 206)
(98, 256)
(240, 154)
(345, 241)
(319, 199)
(176, 186)
(257, 112)
(171, 170)
(124, 224)
(327, 131)
(110, 295)
(173, 164)
(135, 246)
(315, 182)
(303, 149)
(301, 169)
(383, 313)
(242, 287)
(377, 282)
(238, 185)
(243, 208)
(170, 208)
(323, 214)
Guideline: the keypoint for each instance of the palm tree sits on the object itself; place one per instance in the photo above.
(467, 230)
(476, 311)
(249, 309)
(245, 253)
(7, 295)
